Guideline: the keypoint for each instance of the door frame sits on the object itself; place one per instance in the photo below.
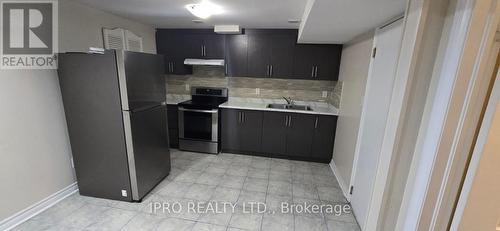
(481, 144)
(445, 140)
(382, 159)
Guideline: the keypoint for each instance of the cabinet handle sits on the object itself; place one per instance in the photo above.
(243, 117)
(316, 123)
(271, 71)
(286, 121)
(225, 65)
(267, 70)
(239, 117)
(289, 121)
(204, 50)
(316, 71)
(312, 72)
(201, 50)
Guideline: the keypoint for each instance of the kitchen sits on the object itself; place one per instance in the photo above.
(216, 114)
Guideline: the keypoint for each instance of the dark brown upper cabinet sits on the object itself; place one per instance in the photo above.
(317, 61)
(214, 46)
(179, 44)
(174, 47)
(264, 53)
(236, 55)
(270, 52)
(207, 45)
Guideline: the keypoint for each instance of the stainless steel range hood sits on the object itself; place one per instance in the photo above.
(204, 62)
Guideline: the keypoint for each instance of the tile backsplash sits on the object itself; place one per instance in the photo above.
(303, 90)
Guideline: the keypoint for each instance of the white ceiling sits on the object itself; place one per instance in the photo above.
(339, 21)
(173, 14)
(324, 21)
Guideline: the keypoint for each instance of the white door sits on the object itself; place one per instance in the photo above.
(374, 116)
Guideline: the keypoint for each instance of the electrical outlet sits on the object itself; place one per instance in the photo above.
(187, 87)
(257, 91)
(324, 94)
(124, 193)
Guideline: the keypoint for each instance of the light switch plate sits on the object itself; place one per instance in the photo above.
(124, 193)
(324, 94)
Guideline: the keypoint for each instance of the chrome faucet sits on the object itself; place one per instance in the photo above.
(288, 100)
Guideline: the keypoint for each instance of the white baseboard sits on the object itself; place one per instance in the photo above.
(343, 186)
(35, 209)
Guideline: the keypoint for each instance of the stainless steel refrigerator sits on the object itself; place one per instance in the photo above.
(117, 122)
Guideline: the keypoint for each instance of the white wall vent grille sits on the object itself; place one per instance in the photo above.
(119, 38)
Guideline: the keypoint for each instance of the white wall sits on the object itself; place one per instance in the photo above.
(354, 67)
(34, 144)
(81, 27)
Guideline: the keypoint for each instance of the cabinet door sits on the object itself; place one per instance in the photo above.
(304, 61)
(173, 138)
(328, 62)
(259, 54)
(192, 44)
(179, 68)
(251, 131)
(274, 133)
(236, 55)
(300, 135)
(324, 137)
(173, 116)
(167, 45)
(282, 53)
(173, 125)
(230, 129)
(214, 45)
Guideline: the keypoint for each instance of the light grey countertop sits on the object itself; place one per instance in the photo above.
(318, 108)
(174, 99)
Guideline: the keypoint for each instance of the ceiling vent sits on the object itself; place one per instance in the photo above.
(227, 29)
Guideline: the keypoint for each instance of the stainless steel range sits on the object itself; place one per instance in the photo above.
(199, 120)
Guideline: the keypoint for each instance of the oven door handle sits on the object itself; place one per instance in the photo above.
(201, 111)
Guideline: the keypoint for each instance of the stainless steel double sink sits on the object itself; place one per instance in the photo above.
(289, 107)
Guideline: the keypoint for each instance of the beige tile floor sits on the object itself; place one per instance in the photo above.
(218, 180)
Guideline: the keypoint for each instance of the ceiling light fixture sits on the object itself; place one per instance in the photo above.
(204, 9)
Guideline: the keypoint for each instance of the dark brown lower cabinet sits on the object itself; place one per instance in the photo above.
(278, 134)
(241, 131)
(274, 129)
(299, 136)
(173, 125)
(324, 138)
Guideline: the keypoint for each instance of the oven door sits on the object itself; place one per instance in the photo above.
(201, 125)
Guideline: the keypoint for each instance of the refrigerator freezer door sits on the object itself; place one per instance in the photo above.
(148, 153)
(144, 77)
